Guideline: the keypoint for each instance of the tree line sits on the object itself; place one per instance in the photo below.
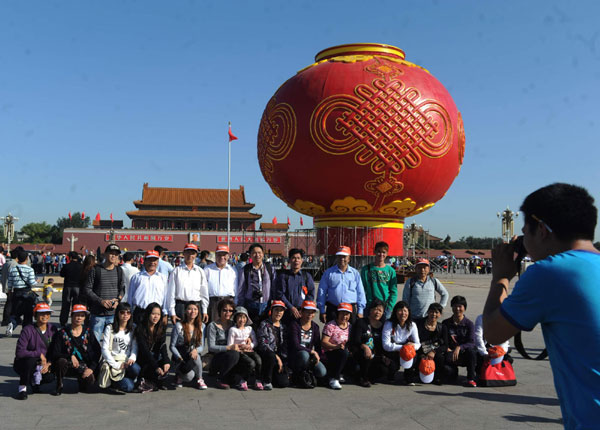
(42, 232)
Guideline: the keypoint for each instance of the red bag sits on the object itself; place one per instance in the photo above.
(497, 375)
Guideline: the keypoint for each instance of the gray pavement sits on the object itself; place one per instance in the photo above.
(532, 403)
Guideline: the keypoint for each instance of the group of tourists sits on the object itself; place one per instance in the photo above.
(252, 328)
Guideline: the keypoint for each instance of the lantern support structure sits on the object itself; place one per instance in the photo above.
(9, 228)
(508, 223)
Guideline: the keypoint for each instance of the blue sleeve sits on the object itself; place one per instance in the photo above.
(529, 301)
(322, 293)
(310, 286)
(361, 299)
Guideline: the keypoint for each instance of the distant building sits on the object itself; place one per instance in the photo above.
(192, 209)
(269, 226)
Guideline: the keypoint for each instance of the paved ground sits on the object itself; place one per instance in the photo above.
(530, 404)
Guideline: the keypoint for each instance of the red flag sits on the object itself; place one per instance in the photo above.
(83, 216)
(98, 216)
(231, 136)
(289, 223)
(70, 216)
(301, 222)
(275, 220)
(111, 217)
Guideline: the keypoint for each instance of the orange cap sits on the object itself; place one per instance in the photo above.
(191, 247)
(79, 308)
(346, 307)
(42, 307)
(408, 352)
(278, 303)
(309, 304)
(343, 250)
(423, 261)
(152, 254)
(222, 248)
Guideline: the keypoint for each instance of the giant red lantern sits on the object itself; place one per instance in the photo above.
(360, 140)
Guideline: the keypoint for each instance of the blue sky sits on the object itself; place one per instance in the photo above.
(97, 98)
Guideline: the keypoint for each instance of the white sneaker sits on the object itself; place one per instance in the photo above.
(9, 329)
(334, 384)
(201, 384)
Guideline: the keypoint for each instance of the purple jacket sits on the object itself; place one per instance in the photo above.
(30, 343)
(294, 338)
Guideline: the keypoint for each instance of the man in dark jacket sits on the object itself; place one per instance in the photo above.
(293, 286)
(71, 273)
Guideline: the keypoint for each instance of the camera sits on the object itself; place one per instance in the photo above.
(520, 251)
(257, 295)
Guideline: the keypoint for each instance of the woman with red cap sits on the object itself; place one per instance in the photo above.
(400, 334)
(76, 351)
(31, 357)
(272, 347)
(335, 338)
(303, 344)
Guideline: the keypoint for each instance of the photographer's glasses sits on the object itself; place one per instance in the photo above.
(542, 222)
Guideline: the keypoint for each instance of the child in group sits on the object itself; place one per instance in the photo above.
(242, 335)
(48, 290)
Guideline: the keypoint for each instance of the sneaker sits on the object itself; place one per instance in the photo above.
(242, 386)
(364, 383)
(222, 385)
(201, 384)
(9, 330)
(22, 395)
(334, 384)
(258, 386)
(471, 383)
(268, 387)
(178, 382)
(342, 379)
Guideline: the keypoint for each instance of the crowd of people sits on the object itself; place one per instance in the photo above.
(249, 327)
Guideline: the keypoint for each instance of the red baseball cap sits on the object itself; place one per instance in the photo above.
(79, 308)
(346, 307)
(407, 354)
(344, 250)
(422, 261)
(278, 303)
(309, 305)
(152, 254)
(42, 307)
(191, 247)
(222, 248)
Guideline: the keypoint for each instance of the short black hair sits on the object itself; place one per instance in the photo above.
(204, 254)
(256, 245)
(160, 249)
(437, 307)
(73, 255)
(295, 251)
(244, 256)
(21, 256)
(459, 300)
(128, 256)
(567, 209)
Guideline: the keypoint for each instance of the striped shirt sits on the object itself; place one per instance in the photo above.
(15, 281)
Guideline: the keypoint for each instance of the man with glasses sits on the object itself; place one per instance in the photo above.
(104, 289)
(559, 291)
(294, 285)
(222, 280)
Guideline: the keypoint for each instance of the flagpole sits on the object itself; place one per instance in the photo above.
(228, 187)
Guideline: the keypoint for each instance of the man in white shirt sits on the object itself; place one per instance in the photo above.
(187, 283)
(128, 271)
(148, 286)
(222, 280)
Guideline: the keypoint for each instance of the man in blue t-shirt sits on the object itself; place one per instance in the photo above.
(560, 291)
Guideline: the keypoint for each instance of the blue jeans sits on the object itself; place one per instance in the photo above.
(128, 382)
(300, 364)
(97, 324)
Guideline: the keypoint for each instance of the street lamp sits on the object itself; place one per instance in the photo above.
(8, 228)
(508, 223)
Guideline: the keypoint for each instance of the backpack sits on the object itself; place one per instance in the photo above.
(412, 285)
